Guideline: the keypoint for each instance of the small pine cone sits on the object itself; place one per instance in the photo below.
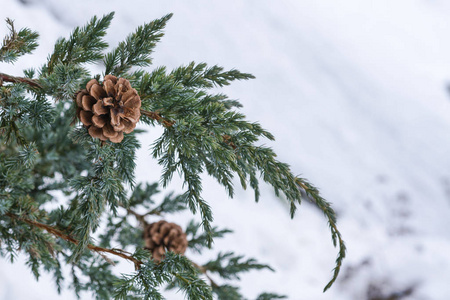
(162, 236)
(109, 110)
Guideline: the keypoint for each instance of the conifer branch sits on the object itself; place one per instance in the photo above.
(326, 208)
(139, 217)
(9, 78)
(203, 133)
(204, 271)
(17, 43)
(85, 44)
(60, 234)
(136, 49)
(156, 116)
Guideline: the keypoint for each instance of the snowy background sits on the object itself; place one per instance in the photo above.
(355, 93)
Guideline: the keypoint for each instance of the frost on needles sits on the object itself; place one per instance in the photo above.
(44, 149)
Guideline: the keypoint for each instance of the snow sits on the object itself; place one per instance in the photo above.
(354, 92)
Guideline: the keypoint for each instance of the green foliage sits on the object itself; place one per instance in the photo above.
(143, 196)
(136, 49)
(93, 274)
(197, 141)
(270, 296)
(228, 266)
(200, 76)
(197, 240)
(16, 43)
(25, 159)
(46, 159)
(313, 193)
(64, 81)
(85, 45)
(18, 112)
(174, 268)
(227, 292)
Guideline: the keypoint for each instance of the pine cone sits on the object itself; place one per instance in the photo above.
(109, 110)
(162, 236)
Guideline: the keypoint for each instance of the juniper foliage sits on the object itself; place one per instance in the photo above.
(16, 43)
(58, 184)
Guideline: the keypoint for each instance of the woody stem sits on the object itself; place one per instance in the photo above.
(60, 234)
(204, 271)
(9, 78)
(156, 116)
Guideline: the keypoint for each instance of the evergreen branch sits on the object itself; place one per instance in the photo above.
(203, 133)
(156, 116)
(31, 82)
(169, 204)
(202, 269)
(270, 296)
(234, 265)
(174, 269)
(17, 43)
(197, 242)
(142, 195)
(139, 217)
(205, 272)
(60, 234)
(97, 271)
(14, 113)
(169, 123)
(326, 208)
(247, 159)
(155, 212)
(90, 207)
(64, 81)
(125, 153)
(84, 45)
(202, 76)
(25, 159)
(194, 200)
(228, 292)
(136, 49)
(106, 186)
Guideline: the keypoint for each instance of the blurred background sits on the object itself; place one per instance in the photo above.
(355, 93)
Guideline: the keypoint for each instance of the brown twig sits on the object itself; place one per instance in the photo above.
(156, 116)
(9, 78)
(227, 140)
(204, 271)
(60, 234)
(139, 217)
(153, 212)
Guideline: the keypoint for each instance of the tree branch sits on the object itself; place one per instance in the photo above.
(9, 78)
(34, 83)
(60, 234)
(141, 218)
(313, 194)
(203, 270)
(156, 116)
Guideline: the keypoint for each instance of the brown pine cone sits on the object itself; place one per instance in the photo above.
(109, 110)
(162, 236)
